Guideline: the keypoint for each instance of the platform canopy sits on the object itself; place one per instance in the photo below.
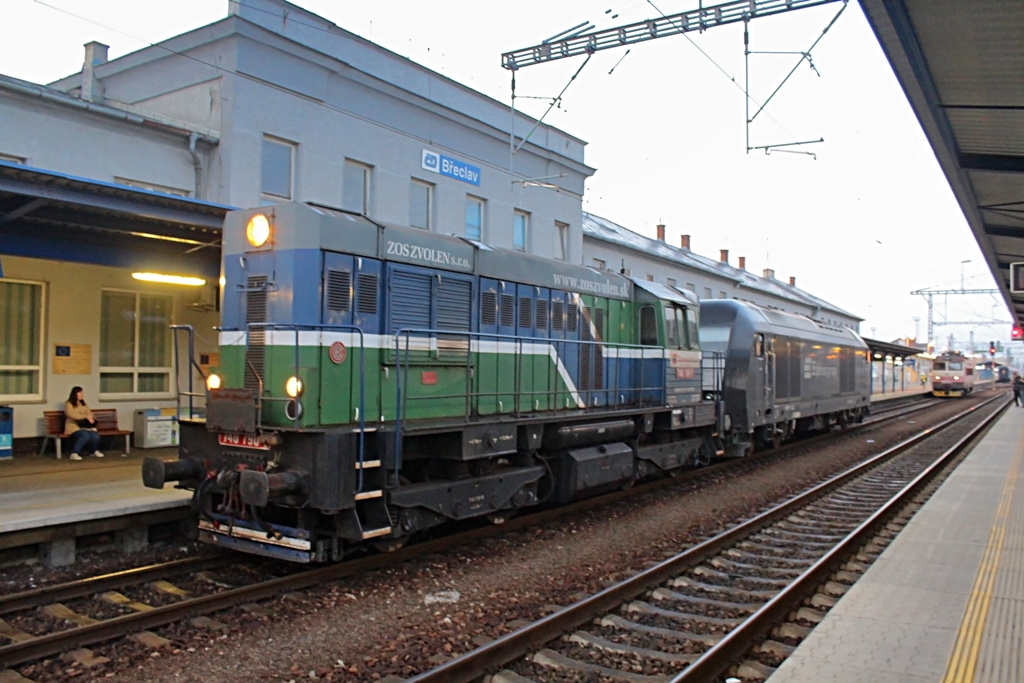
(960, 66)
(54, 216)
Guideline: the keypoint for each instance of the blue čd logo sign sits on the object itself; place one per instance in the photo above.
(453, 168)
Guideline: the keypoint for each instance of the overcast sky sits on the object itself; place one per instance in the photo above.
(861, 224)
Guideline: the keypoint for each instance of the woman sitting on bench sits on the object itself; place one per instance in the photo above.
(80, 423)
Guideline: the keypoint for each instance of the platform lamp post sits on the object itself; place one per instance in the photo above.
(962, 273)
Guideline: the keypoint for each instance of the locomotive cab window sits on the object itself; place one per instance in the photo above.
(648, 326)
(759, 345)
(692, 328)
(671, 327)
(680, 328)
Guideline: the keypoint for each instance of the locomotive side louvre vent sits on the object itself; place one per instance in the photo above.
(489, 308)
(788, 368)
(572, 318)
(410, 297)
(525, 312)
(508, 310)
(599, 324)
(339, 290)
(366, 294)
(454, 304)
(587, 330)
(847, 369)
(557, 314)
(541, 314)
(256, 312)
(598, 349)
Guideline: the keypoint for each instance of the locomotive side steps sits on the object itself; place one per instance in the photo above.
(371, 510)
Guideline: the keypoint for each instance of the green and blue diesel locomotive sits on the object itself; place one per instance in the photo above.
(376, 380)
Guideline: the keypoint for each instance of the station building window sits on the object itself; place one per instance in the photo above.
(692, 287)
(277, 176)
(671, 282)
(520, 229)
(650, 277)
(707, 292)
(355, 187)
(599, 264)
(562, 235)
(135, 344)
(421, 200)
(474, 217)
(21, 340)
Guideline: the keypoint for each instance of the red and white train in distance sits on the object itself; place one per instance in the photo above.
(953, 374)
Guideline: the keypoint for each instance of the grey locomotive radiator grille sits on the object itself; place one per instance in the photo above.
(255, 312)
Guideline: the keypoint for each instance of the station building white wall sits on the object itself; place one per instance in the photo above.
(71, 315)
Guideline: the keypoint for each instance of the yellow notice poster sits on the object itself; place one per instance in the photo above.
(72, 359)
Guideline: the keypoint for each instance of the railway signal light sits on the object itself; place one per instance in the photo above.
(992, 348)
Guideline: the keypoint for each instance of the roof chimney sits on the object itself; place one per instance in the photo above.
(769, 274)
(792, 281)
(661, 232)
(723, 255)
(743, 262)
(95, 54)
(684, 241)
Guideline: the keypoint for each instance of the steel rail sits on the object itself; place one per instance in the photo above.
(720, 656)
(514, 645)
(55, 643)
(82, 587)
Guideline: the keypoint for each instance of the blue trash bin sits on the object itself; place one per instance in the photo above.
(6, 432)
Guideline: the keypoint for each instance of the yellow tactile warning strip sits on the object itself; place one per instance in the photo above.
(963, 662)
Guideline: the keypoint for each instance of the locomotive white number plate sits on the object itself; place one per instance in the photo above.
(241, 441)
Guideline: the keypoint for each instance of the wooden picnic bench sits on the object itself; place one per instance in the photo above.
(106, 425)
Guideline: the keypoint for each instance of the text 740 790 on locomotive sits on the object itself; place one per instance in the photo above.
(377, 380)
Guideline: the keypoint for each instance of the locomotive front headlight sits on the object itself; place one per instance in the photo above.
(257, 230)
(293, 387)
(956, 378)
(213, 381)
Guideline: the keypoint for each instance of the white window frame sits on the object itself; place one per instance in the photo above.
(520, 218)
(270, 197)
(562, 235)
(481, 204)
(136, 369)
(40, 367)
(366, 185)
(416, 183)
(599, 263)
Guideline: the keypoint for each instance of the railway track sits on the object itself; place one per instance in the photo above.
(720, 608)
(83, 624)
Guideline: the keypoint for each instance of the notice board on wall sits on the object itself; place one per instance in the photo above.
(72, 359)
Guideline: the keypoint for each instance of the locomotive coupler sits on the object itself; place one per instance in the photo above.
(258, 488)
(155, 472)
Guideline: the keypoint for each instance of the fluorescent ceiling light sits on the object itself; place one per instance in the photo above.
(170, 279)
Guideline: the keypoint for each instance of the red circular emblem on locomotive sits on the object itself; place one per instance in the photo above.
(338, 352)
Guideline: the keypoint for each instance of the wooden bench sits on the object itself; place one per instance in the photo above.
(106, 425)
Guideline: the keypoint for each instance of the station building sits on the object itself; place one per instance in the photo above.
(609, 246)
(129, 165)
